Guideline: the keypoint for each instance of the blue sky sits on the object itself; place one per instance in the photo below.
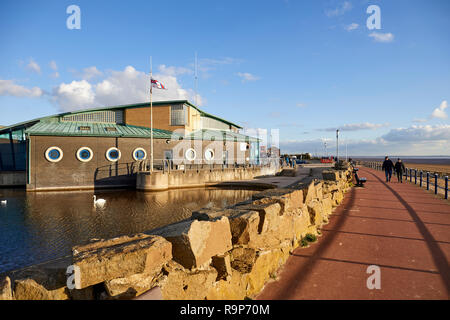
(302, 67)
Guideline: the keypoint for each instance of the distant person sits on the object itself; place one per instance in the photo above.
(387, 166)
(399, 169)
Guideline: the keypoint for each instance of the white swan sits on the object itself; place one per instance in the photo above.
(99, 203)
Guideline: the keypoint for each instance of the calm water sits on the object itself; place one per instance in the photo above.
(40, 226)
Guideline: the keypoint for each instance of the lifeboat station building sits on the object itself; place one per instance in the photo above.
(103, 147)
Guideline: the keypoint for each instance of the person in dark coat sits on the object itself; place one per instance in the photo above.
(387, 166)
(399, 169)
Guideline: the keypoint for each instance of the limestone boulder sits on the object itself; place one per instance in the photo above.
(289, 199)
(316, 215)
(222, 264)
(243, 259)
(234, 288)
(337, 198)
(244, 227)
(264, 268)
(131, 286)
(195, 242)
(309, 192)
(329, 187)
(120, 257)
(5, 289)
(268, 213)
(331, 175)
(319, 190)
(184, 284)
(29, 289)
(301, 223)
(327, 206)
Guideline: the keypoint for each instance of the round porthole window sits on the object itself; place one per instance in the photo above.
(139, 154)
(85, 154)
(113, 154)
(190, 154)
(54, 154)
(209, 154)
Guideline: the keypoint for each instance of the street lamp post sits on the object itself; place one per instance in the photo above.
(337, 145)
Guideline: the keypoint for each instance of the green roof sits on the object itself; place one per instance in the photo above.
(95, 130)
(56, 117)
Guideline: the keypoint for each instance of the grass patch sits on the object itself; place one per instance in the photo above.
(303, 242)
(310, 237)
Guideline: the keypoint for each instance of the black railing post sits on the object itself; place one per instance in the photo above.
(406, 175)
(435, 183)
(428, 181)
(421, 176)
(446, 188)
(415, 176)
(410, 175)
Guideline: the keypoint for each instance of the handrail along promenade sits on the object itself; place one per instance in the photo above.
(430, 180)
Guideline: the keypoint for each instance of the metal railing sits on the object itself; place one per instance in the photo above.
(432, 180)
(166, 165)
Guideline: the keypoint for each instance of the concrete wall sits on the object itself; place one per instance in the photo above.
(13, 179)
(196, 178)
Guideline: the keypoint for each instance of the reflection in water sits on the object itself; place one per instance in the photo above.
(39, 226)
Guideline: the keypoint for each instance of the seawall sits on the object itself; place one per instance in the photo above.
(159, 180)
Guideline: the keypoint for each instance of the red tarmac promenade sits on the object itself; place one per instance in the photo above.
(401, 228)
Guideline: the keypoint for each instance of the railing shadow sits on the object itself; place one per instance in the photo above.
(437, 254)
(298, 278)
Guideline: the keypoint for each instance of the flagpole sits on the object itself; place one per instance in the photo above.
(151, 116)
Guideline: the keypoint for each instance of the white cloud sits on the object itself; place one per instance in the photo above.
(382, 37)
(245, 76)
(122, 87)
(53, 65)
(74, 95)
(340, 10)
(33, 66)
(414, 134)
(440, 111)
(55, 74)
(351, 26)
(205, 65)
(174, 71)
(415, 140)
(9, 88)
(358, 126)
(301, 105)
(419, 120)
(91, 72)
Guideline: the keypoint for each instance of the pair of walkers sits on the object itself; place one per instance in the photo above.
(388, 166)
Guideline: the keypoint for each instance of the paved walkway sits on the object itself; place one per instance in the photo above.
(399, 227)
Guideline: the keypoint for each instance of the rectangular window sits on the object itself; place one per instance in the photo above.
(178, 115)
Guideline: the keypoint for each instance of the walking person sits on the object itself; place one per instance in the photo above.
(399, 169)
(387, 166)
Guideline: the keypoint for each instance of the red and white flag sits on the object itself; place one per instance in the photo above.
(157, 84)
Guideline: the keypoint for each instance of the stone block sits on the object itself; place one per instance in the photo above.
(331, 175)
(118, 258)
(183, 284)
(5, 289)
(29, 289)
(309, 192)
(223, 266)
(315, 210)
(194, 242)
(131, 286)
(289, 199)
